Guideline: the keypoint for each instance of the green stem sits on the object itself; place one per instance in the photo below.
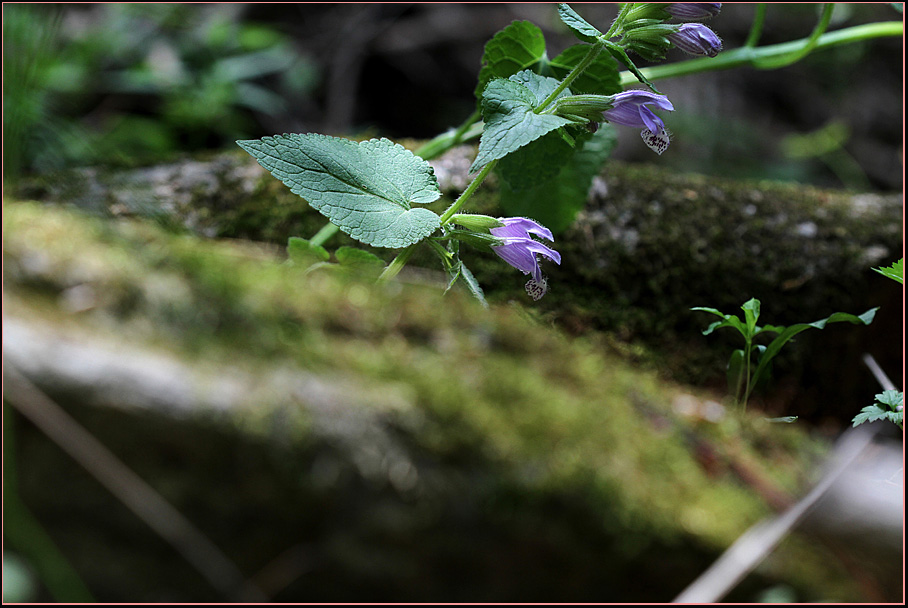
(443, 253)
(747, 387)
(325, 233)
(757, 27)
(447, 140)
(786, 60)
(619, 20)
(398, 263)
(748, 56)
(456, 205)
(577, 71)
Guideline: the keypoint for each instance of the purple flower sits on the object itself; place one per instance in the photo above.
(696, 39)
(692, 11)
(520, 249)
(629, 109)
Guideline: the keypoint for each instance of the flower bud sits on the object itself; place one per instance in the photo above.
(648, 38)
(647, 10)
(472, 221)
(583, 108)
(696, 39)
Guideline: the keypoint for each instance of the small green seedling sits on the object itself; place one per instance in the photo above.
(751, 366)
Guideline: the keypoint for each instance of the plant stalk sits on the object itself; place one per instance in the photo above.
(577, 71)
(456, 205)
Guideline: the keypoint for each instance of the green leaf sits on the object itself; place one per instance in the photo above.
(762, 374)
(872, 413)
(300, 251)
(510, 122)
(751, 310)
(600, 78)
(790, 332)
(472, 284)
(456, 269)
(540, 86)
(727, 321)
(783, 419)
(517, 47)
(621, 55)
(583, 30)
(891, 398)
(365, 188)
(894, 272)
(556, 202)
(777, 329)
(359, 260)
(536, 163)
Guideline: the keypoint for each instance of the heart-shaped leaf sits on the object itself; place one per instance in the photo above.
(365, 188)
(517, 47)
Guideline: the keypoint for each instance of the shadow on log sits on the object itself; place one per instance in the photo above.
(340, 440)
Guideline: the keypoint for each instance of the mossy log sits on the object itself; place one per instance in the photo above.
(649, 246)
(342, 440)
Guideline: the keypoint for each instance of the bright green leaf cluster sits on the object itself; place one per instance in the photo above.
(894, 272)
(889, 406)
(549, 177)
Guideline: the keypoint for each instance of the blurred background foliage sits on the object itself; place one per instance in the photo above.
(136, 83)
(131, 84)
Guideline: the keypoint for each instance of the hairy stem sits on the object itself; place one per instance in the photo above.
(619, 20)
(324, 233)
(577, 71)
(398, 263)
(447, 140)
(456, 205)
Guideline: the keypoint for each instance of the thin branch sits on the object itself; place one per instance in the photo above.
(127, 486)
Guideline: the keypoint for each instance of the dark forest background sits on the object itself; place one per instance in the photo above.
(130, 84)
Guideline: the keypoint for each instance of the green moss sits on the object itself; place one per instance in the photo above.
(504, 416)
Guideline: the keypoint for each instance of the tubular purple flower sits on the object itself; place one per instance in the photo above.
(520, 249)
(693, 11)
(629, 109)
(696, 39)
